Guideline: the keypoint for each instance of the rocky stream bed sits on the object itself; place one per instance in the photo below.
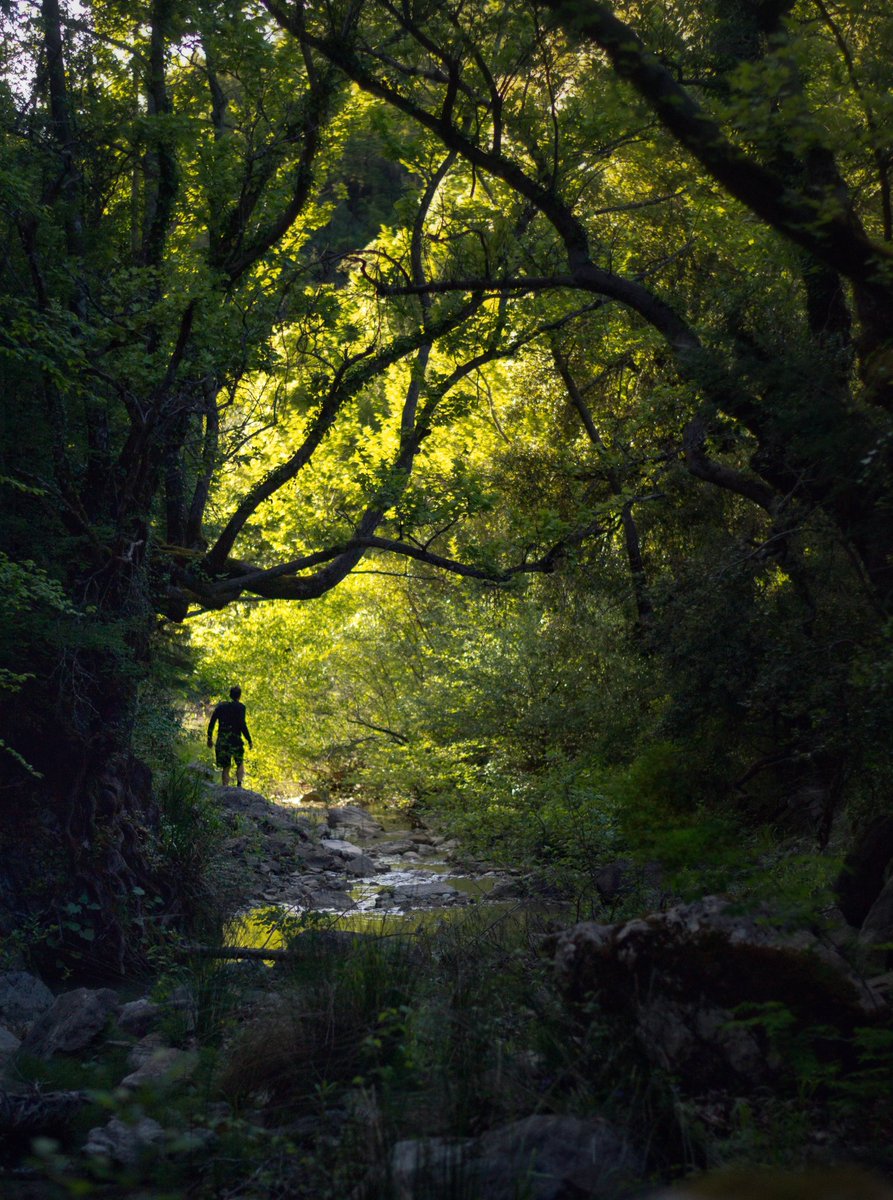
(343, 860)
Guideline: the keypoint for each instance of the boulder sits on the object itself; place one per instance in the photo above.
(23, 998)
(340, 847)
(424, 891)
(327, 898)
(351, 817)
(138, 1017)
(9, 1043)
(543, 1157)
(160, 1068)
(362, 866)
(426, 850)
(75, 1020)
(399, 847)
(322, 860)
(681, 975)
(124, 1144)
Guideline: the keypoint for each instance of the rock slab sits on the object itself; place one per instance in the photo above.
(125, 1144)
(23, 998)
(75, 1019)
(546, 1157)
(681, 974)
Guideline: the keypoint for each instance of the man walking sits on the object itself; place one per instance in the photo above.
(229, 717)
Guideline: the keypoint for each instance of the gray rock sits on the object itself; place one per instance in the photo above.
(9, 1043)
(326, 898)
(23, 998)
(340, 847)
(399, 847)
(75, 1019)
(540, 1158)
(125, 1144)
(680, 975)
(362, 866)
(163, 1066)
(556, 1158)
(319, 861)
(352, 817)
(430, 1167)
(138, 1017)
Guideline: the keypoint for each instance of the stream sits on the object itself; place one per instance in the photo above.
(365, 870)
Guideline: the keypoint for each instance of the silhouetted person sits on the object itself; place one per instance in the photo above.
(229, 717)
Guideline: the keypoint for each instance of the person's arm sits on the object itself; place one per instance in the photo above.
(247, 734)
(211, 725)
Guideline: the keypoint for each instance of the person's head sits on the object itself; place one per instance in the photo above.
(235, 692)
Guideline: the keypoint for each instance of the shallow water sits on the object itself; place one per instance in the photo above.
(272, 925)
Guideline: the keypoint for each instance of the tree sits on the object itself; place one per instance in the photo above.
(660, 222)
(456, 77)
(165, 171)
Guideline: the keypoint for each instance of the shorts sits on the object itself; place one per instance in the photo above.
(226, 752)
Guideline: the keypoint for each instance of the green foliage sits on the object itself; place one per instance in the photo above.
(664, 462)
(191, 824)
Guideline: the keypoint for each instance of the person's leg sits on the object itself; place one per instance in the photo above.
(224, 760)
(240, 773)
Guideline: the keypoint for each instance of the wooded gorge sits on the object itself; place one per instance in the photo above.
(500, 393)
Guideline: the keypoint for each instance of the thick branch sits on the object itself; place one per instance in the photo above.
(353, 376)
(275, 584)
(694, 439)
(833, 237)
(163, 172)
(236, 252)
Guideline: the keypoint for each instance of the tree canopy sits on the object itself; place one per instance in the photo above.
(574, 313)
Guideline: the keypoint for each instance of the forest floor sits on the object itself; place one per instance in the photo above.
(402, 1039)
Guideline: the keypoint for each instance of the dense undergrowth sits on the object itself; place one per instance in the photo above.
(305, 1074)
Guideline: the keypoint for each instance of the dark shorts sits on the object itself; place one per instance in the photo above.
(226, 752)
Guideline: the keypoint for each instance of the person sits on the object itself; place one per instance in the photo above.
(229, 717)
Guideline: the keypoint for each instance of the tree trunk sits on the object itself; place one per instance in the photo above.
(79, 828)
